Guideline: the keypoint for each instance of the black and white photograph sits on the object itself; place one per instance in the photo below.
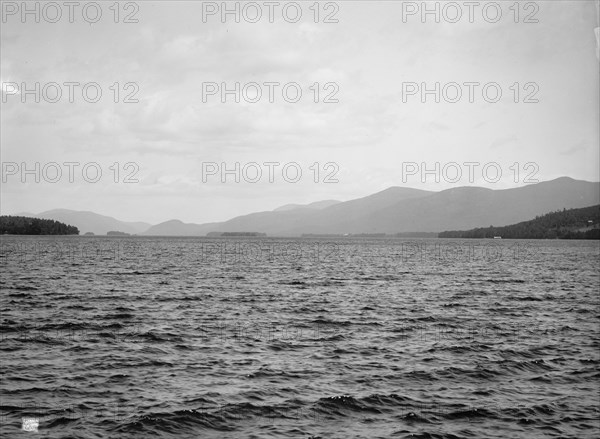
(300, 219)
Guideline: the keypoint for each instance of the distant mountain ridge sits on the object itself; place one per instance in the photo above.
(316, 205)
(400, 210)
(87, 221)
(178, 228)
(391, 211)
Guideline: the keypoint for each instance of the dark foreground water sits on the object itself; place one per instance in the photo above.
(141, 337)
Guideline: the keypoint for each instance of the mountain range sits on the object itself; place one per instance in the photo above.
(90, 221)
(393, 210)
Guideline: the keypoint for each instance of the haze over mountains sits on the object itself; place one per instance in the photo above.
(391, 211)
(316, 205)
(91, 222)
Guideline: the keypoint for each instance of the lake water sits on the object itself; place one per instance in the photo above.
(195, 337)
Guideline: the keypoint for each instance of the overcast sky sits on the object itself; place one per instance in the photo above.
(368, 54)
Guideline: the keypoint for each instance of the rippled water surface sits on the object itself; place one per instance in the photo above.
(182, 337)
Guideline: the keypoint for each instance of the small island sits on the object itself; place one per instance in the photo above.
(235, 234)
(371, 235)
(117, 233)
(23, 225)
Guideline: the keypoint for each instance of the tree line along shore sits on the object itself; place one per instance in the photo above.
(583, 223)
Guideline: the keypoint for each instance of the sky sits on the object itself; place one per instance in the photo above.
(165, 146)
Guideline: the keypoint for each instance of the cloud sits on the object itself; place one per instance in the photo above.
(368, 54)
(502, 141)
(577, 147)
